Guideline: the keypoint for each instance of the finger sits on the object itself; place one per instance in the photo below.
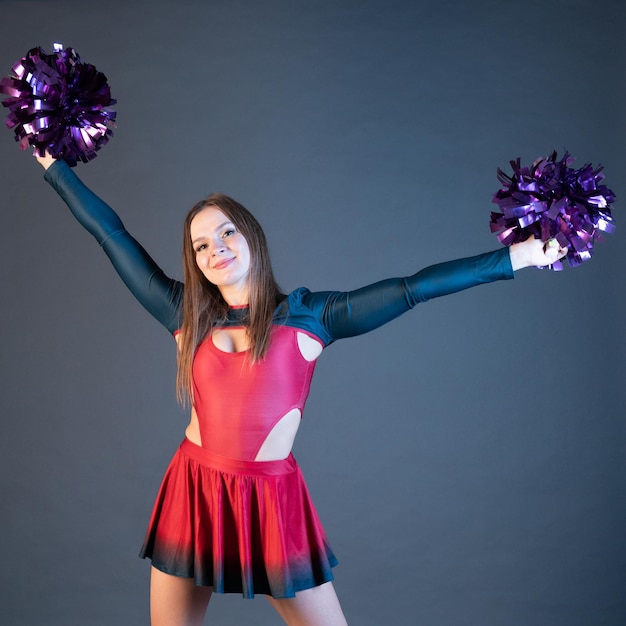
(551, 249)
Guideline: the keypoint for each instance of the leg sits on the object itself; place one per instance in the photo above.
(313, 607)
(176, 601)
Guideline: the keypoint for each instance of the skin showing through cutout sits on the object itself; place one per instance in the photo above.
(278, 443)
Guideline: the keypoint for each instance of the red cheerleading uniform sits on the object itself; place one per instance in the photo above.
(221, 517)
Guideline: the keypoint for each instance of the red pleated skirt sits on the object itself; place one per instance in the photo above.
(238, 526)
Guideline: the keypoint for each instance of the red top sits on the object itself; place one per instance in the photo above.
(238, 403)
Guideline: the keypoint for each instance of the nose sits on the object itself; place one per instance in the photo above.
(217, 247)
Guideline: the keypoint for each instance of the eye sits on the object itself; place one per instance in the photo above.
(228, 233)
(201, 247)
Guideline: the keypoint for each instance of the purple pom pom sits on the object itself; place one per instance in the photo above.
(552, 200)
(59, 105)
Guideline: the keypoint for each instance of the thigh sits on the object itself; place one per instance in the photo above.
(318, 606)
(176, 601)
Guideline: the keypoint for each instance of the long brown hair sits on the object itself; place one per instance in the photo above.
(203, 304)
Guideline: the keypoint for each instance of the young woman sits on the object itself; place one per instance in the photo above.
(233, 513)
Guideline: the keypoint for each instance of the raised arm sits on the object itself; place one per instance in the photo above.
(346, 314)
(160, 295)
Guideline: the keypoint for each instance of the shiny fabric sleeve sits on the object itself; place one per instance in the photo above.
(346, 314)
(161, 296)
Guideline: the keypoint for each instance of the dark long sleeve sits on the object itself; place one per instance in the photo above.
(160, 295)
(341, 314)
(346, 314)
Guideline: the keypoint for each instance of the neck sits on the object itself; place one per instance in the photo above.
(235, 296)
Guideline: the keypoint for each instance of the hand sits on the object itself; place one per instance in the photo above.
(535, 253)
(45, 161)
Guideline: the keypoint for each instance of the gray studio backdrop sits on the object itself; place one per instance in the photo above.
(468, 459)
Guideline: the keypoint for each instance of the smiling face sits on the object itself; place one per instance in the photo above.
(222, 254)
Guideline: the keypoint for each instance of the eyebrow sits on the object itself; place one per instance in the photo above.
(229, 223)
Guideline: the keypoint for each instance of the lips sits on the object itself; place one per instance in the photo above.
(222, 264)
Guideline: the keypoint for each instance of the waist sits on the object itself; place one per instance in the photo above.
(237, 466)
